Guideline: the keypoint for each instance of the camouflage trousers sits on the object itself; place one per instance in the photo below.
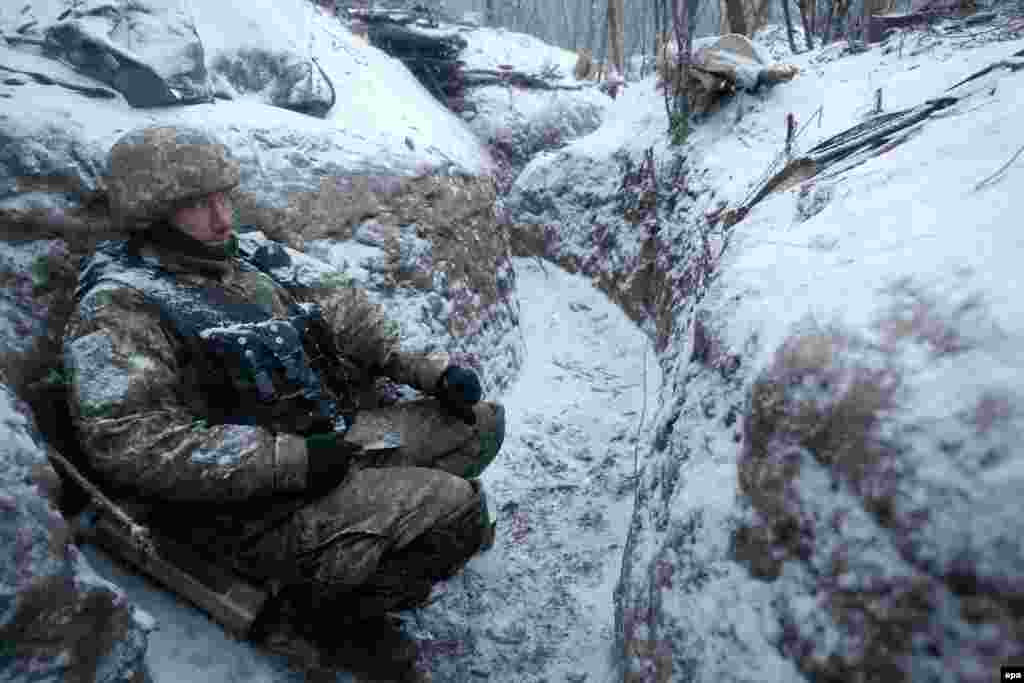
(400, 521)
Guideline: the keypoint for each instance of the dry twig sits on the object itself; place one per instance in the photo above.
(992, 178)
(636, 446)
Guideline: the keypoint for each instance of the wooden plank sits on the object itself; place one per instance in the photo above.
(229, 600)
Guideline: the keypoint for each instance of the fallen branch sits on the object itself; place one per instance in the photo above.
(636, 445)
(871, 137)
(43, 79)
(22, 40)
(999, 172)
(480, 77)
(1006, 63)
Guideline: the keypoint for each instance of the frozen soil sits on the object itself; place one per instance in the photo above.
(538, 605)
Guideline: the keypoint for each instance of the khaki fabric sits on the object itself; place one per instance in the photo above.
(409, 502)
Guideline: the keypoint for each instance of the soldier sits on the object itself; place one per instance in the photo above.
(236, 407)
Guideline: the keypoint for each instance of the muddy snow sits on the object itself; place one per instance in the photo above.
(538, 605)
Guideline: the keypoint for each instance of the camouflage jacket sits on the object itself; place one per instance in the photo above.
(157, 386)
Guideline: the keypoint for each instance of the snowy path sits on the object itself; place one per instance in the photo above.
(538, 606)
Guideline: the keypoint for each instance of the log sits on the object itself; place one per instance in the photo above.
(432, 59)
(43, 79)
(867, 139)
(480, 77)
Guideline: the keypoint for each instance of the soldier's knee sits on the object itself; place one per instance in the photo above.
(491, 433)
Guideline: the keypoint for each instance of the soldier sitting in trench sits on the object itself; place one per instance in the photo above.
(237, 407)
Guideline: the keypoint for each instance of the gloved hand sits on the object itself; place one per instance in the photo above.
(328, 457)
(459, 390)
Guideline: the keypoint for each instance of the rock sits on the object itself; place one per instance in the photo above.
(148, 51)
(286, 79)
(58, 619)
(38, 279)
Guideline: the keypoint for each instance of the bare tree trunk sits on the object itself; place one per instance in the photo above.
(661, 38)
(616, 37)
(736, 17)
(789, 26)
(602, 54)
(681, 25)
(829, 18)
(804, 11)
(570, 28)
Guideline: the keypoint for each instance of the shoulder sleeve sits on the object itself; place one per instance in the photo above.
(132, 421)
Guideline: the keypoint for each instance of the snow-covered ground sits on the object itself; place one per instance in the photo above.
(900, 269)
(538, 606)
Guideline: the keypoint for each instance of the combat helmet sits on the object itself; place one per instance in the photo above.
(153, 170)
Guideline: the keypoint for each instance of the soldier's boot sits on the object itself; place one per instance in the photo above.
(374, 648)
(488, 516)
(354, 630)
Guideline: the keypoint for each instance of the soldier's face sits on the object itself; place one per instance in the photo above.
(208, 219)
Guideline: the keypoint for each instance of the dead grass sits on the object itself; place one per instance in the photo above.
(825, 396)
(916, 315)
(993, 408)
(52, 617)
(817, 397)
(54, 290)
(456, 214)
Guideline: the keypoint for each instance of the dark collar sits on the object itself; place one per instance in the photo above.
(180, 252)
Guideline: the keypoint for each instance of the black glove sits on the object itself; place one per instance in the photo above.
(459, 390)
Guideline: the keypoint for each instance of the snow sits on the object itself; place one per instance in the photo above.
(910, 237)
(538, 605)
(184, 644)
(488, 48)
(100, 382)
(380, 104)
(921, 204)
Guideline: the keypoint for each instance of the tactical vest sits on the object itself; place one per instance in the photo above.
(249, 367)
